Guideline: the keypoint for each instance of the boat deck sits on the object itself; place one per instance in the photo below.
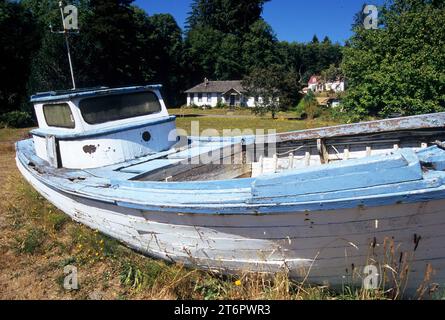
(400, 175)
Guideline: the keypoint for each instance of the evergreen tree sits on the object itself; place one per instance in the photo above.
(225, 38)
(315, 39)
(227, 16)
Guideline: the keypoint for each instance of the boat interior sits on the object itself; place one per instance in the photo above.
(77, 134)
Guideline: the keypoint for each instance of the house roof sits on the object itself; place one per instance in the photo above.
(314, 79)
(217, 86)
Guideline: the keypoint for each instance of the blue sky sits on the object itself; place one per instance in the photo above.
(292, 20)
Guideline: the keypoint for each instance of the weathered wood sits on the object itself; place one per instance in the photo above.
(242, 249)
(322, 151)
(294, 213)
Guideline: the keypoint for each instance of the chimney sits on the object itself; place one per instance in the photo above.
(206, 82)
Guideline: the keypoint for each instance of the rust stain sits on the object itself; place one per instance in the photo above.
(89, 149)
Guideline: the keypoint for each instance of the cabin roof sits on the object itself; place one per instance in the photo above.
(217, 86)
(87, 92)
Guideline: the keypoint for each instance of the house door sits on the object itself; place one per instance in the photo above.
(232, 100)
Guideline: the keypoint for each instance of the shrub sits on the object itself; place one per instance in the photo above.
(32, 242)
(16, 119)
(299, 110)
(310, 105)
(337, 114)
(194, 106)
(57, 220)
(211, 288)
(139, 275)
(220, 104)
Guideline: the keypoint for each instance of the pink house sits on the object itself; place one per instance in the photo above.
(317, 85)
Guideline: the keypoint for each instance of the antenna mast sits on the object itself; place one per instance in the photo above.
(65, 33)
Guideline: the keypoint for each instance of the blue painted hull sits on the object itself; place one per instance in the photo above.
(323, 224)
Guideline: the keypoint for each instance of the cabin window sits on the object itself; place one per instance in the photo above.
(199, 97)
(117, 107)
(58, 115)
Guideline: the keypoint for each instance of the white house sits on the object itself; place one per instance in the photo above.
(317, 85)
(209, 93)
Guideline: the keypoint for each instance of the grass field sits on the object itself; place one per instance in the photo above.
(185, 111)
(37, 241)
(218, 124)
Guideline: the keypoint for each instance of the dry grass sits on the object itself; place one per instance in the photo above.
(37, 241)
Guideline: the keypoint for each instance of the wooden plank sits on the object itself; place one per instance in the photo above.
(213, 249)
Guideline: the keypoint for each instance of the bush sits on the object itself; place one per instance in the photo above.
(337, 114)
(220, 104)
(300, 111)
(32, 242)
(311, 105)
(194, 106)
(16, 119)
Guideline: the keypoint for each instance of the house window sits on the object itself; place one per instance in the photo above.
(209, 97)
(199, 97)
(192, 96)
(58, 115)
(117, 107)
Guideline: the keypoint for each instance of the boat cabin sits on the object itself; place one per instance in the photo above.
(91, 128)
(128, 133)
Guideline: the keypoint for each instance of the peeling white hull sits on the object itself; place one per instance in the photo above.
(328, 247)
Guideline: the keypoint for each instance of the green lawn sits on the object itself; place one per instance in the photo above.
(254, 123)
(244, 112)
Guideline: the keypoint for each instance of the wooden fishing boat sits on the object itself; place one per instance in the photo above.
(320, 204)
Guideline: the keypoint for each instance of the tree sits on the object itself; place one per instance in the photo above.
(315, 39)
(225, 38)
(227, 16)
(332, 73)
(274, 89)
(310, 105)
(326, 40)
(202, 48)
(259, 46)
(400, 67)
(309, 59)
(18, 39)
(162, 39)
(118, 45)
(106, 51)
(112, 32)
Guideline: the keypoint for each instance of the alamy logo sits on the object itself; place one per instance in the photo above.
(371, 280)
(70, 282)
(371, 20)
(70, 21)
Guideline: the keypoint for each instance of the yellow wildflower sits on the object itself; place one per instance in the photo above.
(237, 282)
